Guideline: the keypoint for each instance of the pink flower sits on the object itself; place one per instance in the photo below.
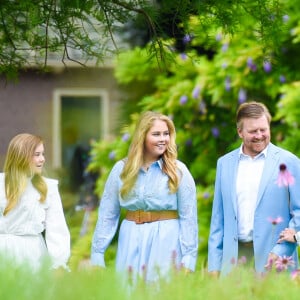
(285, 178)
(283, 262)
(242, 260)
(269, 264)
(295, 274)
(275, 221)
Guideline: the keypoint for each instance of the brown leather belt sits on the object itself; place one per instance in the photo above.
(141, 216)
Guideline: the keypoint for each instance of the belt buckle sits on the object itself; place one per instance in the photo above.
(143, 217)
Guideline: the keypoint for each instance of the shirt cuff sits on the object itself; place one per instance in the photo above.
(189, 262)
(297, 235)
(97, 259)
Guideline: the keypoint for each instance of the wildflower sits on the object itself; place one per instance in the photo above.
(215, 132)
(187, 38)
(202, 107)
(227, 83)
(144, 273)
(225, 47)
(282, 79)
(267, 66)
(242, 260)
(295, 274)
(285, 178)
(130, 275)
(112, 155)
(224, 65)
(196, 91)
(206, 195)
(183, 56)
(218, 37)
(242, 97)
(189, 142)
(269, 264)
(275, 221)
(183, 99)
(251, 65)
(125, 137)
(285, 18)
(173, 259)
(283, 262)
(232, 261)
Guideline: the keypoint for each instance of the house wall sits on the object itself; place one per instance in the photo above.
(27, 104)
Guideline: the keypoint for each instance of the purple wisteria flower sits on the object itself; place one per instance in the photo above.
(112, 155)
(224, 65)
(202, 107)
(183, 99)
(251, 65)
(267, 66)
(282, 79)
(218, 37)
(227, 84)
(206, 195)
(183, 56)
(285, 178)
(283, 262)
(189, 143)
(242, 96)
(125, 137)
(187, 38)
(196, 92)
(225, 47)
(285, 18)
(215, 132)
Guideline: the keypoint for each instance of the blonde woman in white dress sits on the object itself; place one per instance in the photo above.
(33, 230)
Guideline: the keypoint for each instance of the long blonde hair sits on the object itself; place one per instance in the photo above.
(18, 169)
(136, 151)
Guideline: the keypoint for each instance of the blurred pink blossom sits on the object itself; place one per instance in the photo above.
(275, 221)
(283, 262)
(285, 178)
(295, 274)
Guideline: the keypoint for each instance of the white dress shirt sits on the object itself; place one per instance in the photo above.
(247, 185)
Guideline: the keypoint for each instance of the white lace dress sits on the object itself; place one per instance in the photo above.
(21, 229)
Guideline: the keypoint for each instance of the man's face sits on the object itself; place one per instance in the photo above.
(255, 134)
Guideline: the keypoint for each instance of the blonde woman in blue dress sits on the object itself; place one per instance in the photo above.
(160, 229)
(30, 204)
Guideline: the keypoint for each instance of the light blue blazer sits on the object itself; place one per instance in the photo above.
(272, 202)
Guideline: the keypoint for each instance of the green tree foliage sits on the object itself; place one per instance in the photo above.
(216, 70)
(32, 31)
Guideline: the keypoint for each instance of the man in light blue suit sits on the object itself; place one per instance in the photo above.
(250, 208)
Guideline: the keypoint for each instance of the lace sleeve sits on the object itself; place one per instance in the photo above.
(57, 234)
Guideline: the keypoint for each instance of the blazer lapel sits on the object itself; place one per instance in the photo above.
(233, 166)
(270, 167)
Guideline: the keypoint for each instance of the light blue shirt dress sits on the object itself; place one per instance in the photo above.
(149, 250)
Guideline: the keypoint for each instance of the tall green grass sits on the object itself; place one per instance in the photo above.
(90, 284)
